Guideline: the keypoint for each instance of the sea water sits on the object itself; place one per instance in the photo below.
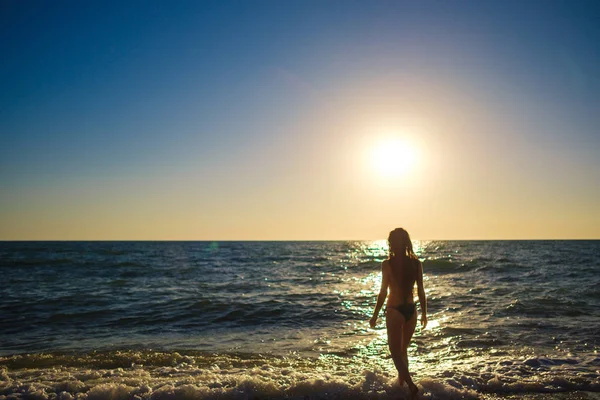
(289, 320)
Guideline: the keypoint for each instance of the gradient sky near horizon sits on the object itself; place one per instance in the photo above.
(221, 120)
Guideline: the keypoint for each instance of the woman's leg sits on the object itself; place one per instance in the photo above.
(407, 332)
(395, 322)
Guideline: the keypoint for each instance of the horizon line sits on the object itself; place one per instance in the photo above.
(292, 240)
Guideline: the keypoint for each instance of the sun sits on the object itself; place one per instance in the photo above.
(393, 157)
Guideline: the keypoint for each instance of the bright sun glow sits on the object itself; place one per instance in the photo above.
(393, 157)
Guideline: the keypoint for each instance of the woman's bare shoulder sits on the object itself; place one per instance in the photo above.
(386, 266)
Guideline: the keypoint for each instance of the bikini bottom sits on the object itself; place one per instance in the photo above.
(407, 310)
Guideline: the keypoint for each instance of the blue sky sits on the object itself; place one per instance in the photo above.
(109, 108)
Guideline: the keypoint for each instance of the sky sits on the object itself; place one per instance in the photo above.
(299, 120)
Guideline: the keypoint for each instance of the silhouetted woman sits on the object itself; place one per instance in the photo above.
(399, 274)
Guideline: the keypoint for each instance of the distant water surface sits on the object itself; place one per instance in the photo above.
(290, 319)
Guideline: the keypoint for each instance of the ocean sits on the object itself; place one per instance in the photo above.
(289, 320)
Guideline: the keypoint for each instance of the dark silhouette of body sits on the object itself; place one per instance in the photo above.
(400, 272)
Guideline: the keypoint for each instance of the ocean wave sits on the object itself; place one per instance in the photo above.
(203, 313)
(546, 307)
(172, 375)
(77, 316)
(442, 266)
(134, 264)
(112, 251)
(120, 282)
(34, 262)
(505, 267)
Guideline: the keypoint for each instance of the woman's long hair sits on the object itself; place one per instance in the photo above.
(401, 257)
(400, 244)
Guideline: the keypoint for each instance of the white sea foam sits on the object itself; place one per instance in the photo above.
(166, 376)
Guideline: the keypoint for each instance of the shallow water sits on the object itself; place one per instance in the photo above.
(290, 319)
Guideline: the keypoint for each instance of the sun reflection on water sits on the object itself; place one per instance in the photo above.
(357, 292)
(356, 286)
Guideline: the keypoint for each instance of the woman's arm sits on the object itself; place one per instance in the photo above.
(422, 298)
(383, 291)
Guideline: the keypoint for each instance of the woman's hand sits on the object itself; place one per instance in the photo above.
(423, 321)
(373, 321)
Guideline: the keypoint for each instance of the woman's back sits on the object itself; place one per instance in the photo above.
(404, 271)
